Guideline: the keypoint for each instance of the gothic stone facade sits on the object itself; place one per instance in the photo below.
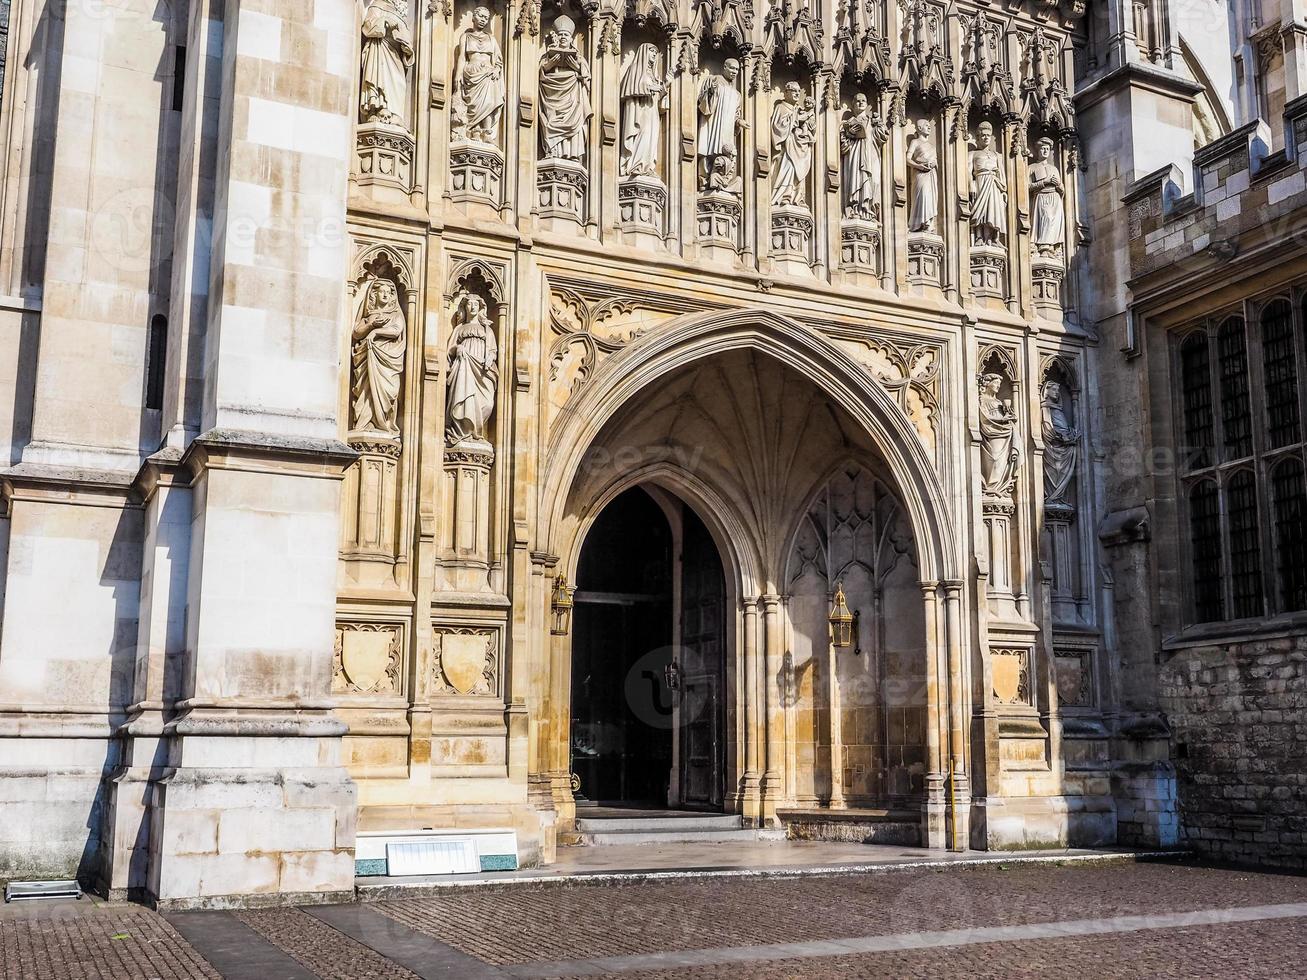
(331, 327)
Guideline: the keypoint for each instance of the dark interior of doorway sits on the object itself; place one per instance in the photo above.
(625, 737)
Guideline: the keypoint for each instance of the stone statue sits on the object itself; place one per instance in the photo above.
(792, 137)
(1047, 203)
(988, 190)
(1060, 438)
(377, 358)
(643, 93)
(721, 117)
(999, 455)
(473, 374)
(924, 164)
(478, 81)
(387, 56)
(564, 95)
(861, 136)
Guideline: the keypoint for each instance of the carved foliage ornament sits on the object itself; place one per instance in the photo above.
(465, 661)
(368, 659)
(910, 374)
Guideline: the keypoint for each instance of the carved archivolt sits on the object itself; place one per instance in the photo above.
(369, 659)
(465, 661)
(910, 374)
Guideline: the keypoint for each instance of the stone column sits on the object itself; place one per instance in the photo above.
(773, 720)
(254, 800)
(753, 731)
(959, 702)
(836, 730)
(933, 829)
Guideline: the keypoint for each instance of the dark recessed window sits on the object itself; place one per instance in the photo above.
(1205, 545)
(156, 356)
(1236, 416)
(1289, 506)
(1245, 546)
(1196, 391)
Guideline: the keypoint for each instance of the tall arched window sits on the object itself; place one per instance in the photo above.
(1280, 371)
(1205, 545)
(1196, 392)
(1289, 504)
(1245, 546)
(1236, 416)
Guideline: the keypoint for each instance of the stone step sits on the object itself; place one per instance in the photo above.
(659, 824)
(675, 836)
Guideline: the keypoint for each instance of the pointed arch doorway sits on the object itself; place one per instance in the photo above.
(648, 687)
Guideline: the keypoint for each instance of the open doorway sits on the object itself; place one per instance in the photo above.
(648, 658)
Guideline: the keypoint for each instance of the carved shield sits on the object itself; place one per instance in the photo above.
(462, 659)
(365, 655)
(1070, 680)
(1007, 677)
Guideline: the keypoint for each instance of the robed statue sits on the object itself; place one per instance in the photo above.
(473, 376)
(387, 56)
(862, 135)
(478, 82)
(1060, 438)
(1046, 193)
(643, 92)
(999, 454)
(924, 164)
(988, 190)
(377, 358)
(792, 136)
(564, 95)
(721, 117)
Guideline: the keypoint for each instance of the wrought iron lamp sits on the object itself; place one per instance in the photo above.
(841, 620)
(560, 606)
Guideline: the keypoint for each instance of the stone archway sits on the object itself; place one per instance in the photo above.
(741, 414)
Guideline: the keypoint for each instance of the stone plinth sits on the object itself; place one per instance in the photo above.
(371, 487)
(791, 233)
(465, 545)
(1046, 275)
(561, 189)
(925, 258)
(860, 245)
(988, 271)
(385, 155)
(641, 205)
(719, 215)
(476, 171)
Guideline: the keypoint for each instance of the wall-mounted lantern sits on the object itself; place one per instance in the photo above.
(672, 674)
(560, 606)
(841, 620)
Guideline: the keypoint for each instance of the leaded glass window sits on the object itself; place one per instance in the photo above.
(1280, 371)
(1236, 416)
(1289, 505)
(1245, 546)
(1196, 391)
(1205, 544)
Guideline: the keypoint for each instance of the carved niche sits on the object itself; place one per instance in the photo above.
(466, 661)
(369, 659)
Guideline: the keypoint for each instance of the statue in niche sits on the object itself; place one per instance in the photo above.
(792, 136)
(564, 95)
(387, 56)
(478, 82)
(721, 117)
(999, 455)
(862, 135)
(1060, 438)
(643, 93)
(1046, 193)
(988, 190)
(723, 177)
(377, 358)
(473, 376)
(924, 164)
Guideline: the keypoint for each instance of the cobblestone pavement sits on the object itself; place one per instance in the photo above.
(570, 930)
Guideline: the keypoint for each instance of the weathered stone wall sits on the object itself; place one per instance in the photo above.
(1238, 714)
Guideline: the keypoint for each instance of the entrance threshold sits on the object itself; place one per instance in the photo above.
(760, 859)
